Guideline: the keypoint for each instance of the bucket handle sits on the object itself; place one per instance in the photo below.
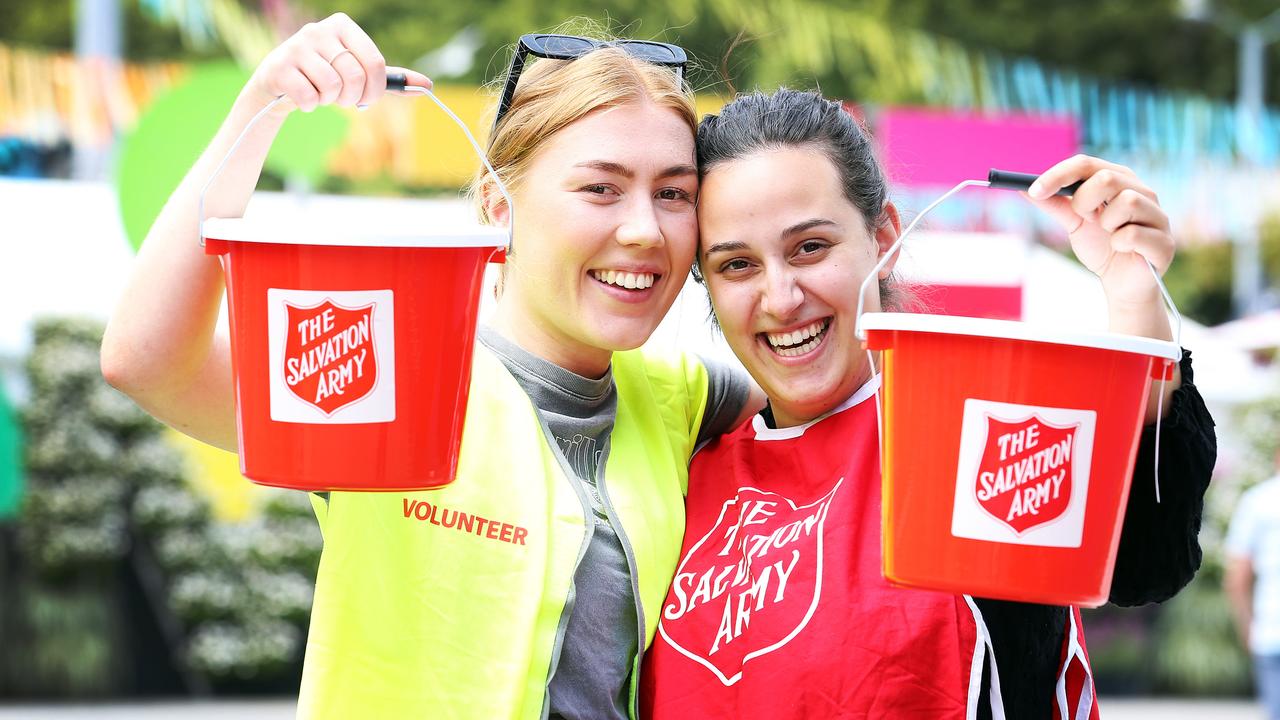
(395, 81)
(997, 179)
(1017, 181)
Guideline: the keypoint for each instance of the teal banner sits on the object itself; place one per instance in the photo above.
(10, 459)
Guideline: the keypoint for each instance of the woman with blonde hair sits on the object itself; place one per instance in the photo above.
(574, 457)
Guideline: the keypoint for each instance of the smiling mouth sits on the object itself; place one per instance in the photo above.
(798, 342)
(625, 280)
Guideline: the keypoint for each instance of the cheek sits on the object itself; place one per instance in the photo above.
(681, 234)
(733, 309)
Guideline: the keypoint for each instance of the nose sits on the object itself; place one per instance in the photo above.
(781, 295)
(640, 227)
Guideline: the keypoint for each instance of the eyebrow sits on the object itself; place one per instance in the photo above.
(626, 172)
(735, 245)
(731, 246)
(809, 224)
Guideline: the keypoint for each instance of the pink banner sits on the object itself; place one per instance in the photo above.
(923, 147)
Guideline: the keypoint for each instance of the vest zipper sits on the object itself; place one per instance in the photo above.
(633, 572)
(588, 521)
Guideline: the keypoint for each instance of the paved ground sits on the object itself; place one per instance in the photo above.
(1113, 709)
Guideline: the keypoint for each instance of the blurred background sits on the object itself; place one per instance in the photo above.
(135, 563)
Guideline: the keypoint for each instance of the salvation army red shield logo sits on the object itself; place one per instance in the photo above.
(329, 358)
(750, 585)
(1025, 476)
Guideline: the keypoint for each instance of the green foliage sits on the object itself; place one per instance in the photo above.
(51, 24)
(847, 48)
(105, 484)
(1199, 280)
(74, 516)
(1269, 244)
(68, 643)
(1145, 43)
(1196, 650)
(73, 528)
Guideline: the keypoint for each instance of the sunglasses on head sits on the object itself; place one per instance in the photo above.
(569, 47)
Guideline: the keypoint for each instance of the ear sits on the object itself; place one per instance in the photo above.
(888, 229)
(495, 206)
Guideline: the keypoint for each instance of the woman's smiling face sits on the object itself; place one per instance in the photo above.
(605, 235)
(783, 252)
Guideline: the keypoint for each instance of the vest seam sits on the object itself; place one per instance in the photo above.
(633, 571)
(588, 522)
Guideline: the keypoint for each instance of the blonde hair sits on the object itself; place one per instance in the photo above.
(552, 94)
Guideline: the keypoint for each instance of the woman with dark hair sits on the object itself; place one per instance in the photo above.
(778, 608)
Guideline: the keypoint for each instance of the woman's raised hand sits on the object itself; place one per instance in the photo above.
(1115, 224)
(331, 62)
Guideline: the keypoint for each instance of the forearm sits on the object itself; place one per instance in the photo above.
(161, 332)
(160, 345)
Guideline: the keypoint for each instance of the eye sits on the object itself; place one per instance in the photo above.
(673, 193)
(809, 247)
(597, 189)
(734, 265)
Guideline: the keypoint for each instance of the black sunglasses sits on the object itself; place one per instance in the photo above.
(569, 47)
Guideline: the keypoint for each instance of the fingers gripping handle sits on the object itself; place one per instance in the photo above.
(395, 81)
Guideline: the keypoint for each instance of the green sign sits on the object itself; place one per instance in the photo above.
(10, 459)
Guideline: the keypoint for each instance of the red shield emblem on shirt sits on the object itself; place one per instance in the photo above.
(329, 358)
(1025, 475)
(750, 585)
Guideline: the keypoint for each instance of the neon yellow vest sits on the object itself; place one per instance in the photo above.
(452, 603)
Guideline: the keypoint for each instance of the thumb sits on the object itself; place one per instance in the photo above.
(411, 77)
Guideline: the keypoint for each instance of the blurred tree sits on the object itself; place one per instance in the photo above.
(1144, 43)
(72, 531)
(51, 24)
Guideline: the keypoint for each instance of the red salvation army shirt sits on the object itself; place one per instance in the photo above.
(778, 608)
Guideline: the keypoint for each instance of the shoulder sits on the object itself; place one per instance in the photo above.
(664, 373)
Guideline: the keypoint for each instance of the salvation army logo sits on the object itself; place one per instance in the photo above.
(1024, 478)
(329, 360)
(331, 356)
(750, 584)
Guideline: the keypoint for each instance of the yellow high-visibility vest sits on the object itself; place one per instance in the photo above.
(452, 603)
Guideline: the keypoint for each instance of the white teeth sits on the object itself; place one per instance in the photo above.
(631, 281)
(797, 351)
(781, 340)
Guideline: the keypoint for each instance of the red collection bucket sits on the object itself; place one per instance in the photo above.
(351, 346)
(1007, 453)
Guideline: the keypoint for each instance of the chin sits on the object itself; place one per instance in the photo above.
(624, 336)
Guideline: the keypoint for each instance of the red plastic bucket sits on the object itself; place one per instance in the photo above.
(351, 349)
(1007, 453)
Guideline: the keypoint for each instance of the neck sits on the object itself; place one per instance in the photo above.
(575, 356)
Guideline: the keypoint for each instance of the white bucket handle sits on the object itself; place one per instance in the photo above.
(395, 81)
(1017, 181)
(897, 245)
